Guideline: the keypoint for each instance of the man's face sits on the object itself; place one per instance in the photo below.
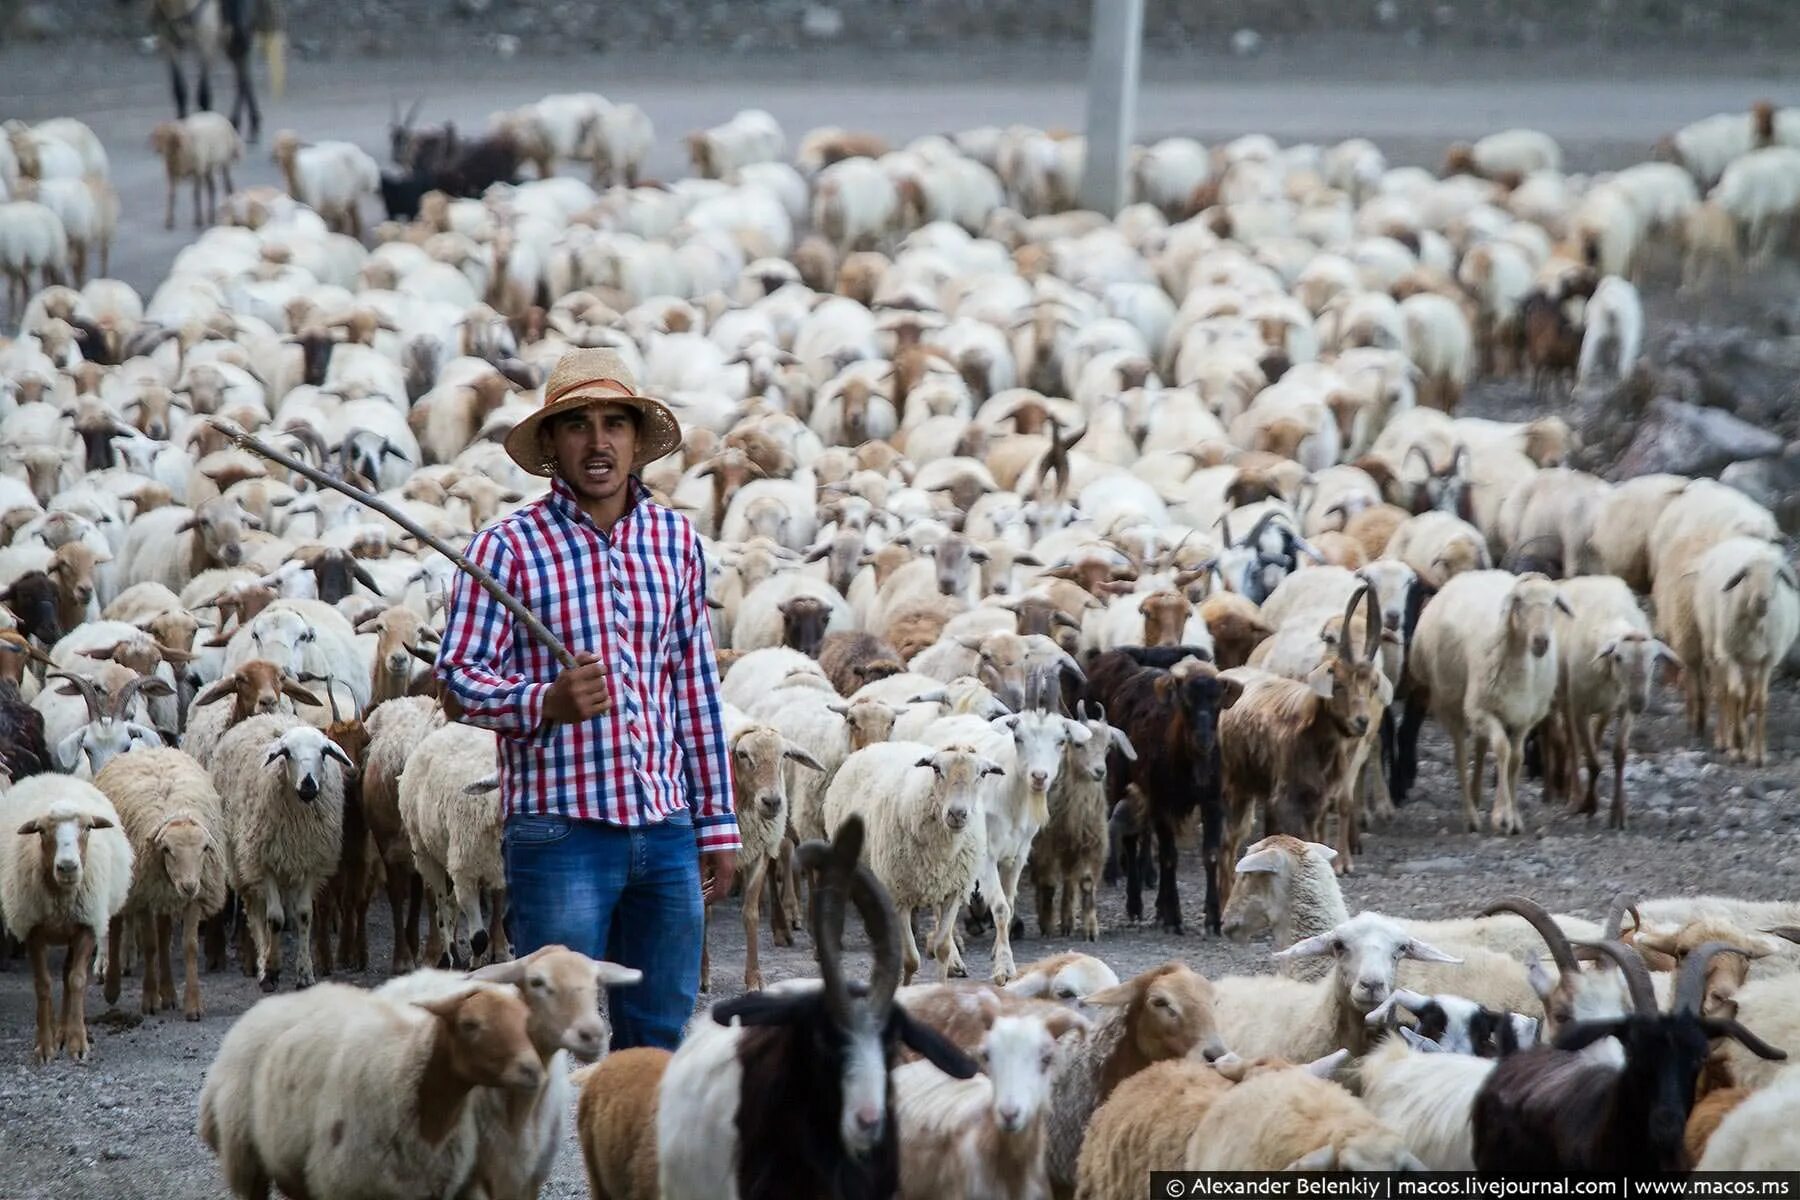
(593, 448)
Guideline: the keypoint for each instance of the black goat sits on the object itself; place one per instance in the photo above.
(808, 1116)
(1173, 721)
(33, 599)
(1401, 723)
(1551, 1109)
(23, 751)
(437, 160)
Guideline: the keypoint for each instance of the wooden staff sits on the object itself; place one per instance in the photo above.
(489, 584)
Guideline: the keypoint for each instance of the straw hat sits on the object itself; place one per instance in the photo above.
(597, 376)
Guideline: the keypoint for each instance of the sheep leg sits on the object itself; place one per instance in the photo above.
(190, 953)
(706, 951)
(165, 967)
(753, 890)
(1046, 906)
(113, 961)
(1586, 735)
(179, 84)
(466, 890)
(1168, 902)
(205, 89)
(781, 926)
(302, 905)
(265, 932)
(1507, 761)
(501, 948)
(790, 885)
(37, 946)
(1090, 916)
(148, 1001)
(1134, 855)
(1344, 864)
(940, 944)
(1459, 752)
(326, 901)
(406, 922)
(909, 950)
(74, 1037)
(1759, 699)
(1615, 819)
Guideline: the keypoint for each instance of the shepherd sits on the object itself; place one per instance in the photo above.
(614, 772)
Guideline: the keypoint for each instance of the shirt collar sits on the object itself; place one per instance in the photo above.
(562, 501)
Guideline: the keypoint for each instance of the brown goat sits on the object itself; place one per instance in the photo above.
(343, 900)
(1287, 745)
(401, 636)
(1552, 344)
(1165, 616)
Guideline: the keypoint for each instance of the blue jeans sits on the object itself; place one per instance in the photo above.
(628, 895)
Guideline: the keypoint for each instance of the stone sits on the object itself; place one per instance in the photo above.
(1246, 42)
(1687, 439)
(1432, 866)
(1772, 482)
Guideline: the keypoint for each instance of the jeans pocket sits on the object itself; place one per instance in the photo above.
(535, 830)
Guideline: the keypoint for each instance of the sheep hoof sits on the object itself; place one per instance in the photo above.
(957, 971)
(478, 942)
(444, 961)
(268, 984)
(194, 1014)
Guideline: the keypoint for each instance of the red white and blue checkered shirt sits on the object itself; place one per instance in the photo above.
(636, 598)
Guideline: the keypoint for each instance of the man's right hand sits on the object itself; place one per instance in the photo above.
(579, 693)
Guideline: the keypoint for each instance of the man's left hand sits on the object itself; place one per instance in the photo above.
(717, 868)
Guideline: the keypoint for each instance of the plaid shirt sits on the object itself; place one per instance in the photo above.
(636, 598)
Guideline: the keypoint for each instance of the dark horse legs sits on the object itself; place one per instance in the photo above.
(180, 85)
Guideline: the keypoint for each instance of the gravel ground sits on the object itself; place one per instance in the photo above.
(122, 1125)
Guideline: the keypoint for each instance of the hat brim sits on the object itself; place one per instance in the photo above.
(659, 433)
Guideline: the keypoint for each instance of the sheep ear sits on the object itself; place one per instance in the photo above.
(1259, 862)
(295, 692)
(1736, 579)
(1425, 952)
(1419, 1041)
(798, 754)
(1316, 946)
(1320, 682)
(333, 750)
(30, 828)
(1562, 606)
(990, 767)
(1607, 651)
(1030, 986)
(1122, 743)
(276, 752)
(1323, 851)
(1066, 1021)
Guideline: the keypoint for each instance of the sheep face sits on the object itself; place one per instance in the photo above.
(1064, 977)
(1019, 1056)
(1039, 738)
(281, 637)
(1630, 661)
(1460, 1025)
(62, 838)
(1391, 582)
(301, 753)
(1368, 947)
(803, 623)
(561, 988)
(757, 756)
(103, 740)
(220, 526)
(956, 790)
(486, 1033)
(1264, 887)
(1165, 616)
(1002, 562)
(180, 845)
(1753, 587)
(1171, 1013)
(956, 558)
(871, 722)
(1531, 612)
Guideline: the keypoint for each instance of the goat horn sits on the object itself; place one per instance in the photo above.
(1225, 529)
(1425, 458)
(95, 706)
(121, 703)
(1362, 589)
(1261, 527)
(1690, 985)
(1637, 975)
(876, 908)
(1790, 932)
(1544, 923)
(1624, 903)
(827, 915)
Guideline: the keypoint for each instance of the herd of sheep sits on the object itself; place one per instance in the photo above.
(1039, 538)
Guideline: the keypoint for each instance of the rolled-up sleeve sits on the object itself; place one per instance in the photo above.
(699, 715)
(475, 658)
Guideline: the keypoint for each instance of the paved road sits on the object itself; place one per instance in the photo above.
(1607, 113)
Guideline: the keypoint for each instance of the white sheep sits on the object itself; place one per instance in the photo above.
(1758, 1135)
(202, 147)
(1293, 1120)
(984, 1136)
(307, 637)
(1761, 191)
(284, 830)
(341, 1092)
(453, 827)
(329, 177)
(1615, 319)
(65, 876)
(1484, 654)
(1746, 608)
(855, 204)
(32, 241)
(751, 135)
(171, 813)
(927, 833)
(1608, 663)
(1620, 538)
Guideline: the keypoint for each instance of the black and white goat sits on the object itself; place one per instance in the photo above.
(1552, 1109)
(786, 1092)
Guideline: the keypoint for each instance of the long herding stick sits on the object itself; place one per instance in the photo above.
(489, 584)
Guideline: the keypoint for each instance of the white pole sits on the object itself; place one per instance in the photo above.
(1118, 33)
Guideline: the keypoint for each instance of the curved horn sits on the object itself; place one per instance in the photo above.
(1544, 923)
(1690, 984)
(1225, 529)
(1790, 932)
(1257, 530)
(1362, 590)
(95, 706)
(876, 908)
(1425, 458)
(1622, 904)
(121, 702)
(1637, 975)
(1371, 623)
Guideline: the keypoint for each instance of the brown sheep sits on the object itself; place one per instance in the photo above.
(616, 1123)
(853, 659)
(1236, 625)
